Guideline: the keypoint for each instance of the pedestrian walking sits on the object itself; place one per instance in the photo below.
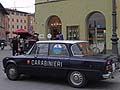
(15, 43)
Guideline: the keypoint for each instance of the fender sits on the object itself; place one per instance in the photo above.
(10, 61)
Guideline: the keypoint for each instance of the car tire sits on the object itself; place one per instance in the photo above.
(76, 79)
(12, 72)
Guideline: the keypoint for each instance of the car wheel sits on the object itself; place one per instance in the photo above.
(12, 72)
(76, 79)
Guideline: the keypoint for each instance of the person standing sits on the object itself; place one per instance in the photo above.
(15, 43)
(21, 46)
(59, 36)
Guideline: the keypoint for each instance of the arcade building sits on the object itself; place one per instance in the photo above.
(77, 20)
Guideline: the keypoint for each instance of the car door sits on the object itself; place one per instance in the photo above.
(36, 58)
(42, 58)
(25, 62)
(59, 56)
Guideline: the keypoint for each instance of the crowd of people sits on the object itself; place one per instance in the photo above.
(20, 45)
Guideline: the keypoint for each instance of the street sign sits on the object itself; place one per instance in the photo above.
(49, 36)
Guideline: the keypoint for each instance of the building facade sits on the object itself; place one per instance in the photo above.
(77, 20)
(3, 25)
(31, 23)
(19, 20)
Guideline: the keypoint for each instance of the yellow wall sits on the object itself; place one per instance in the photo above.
(118, 18)
(74, 12)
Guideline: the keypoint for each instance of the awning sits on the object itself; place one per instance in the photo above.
(20, 31)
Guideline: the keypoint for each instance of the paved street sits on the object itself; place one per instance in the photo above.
(5, 52)
(50, 84)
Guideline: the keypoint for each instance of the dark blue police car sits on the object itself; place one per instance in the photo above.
(74, 60)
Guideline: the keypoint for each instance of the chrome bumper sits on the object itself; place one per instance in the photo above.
(111, 75)
(116, 71)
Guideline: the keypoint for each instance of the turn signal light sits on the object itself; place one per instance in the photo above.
(28, 61)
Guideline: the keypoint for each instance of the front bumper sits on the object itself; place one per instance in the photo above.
(116, 72)
(111, 75)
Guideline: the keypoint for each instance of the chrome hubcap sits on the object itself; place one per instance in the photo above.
(12, 72)
(76, 78)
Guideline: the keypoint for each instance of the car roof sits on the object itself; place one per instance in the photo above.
(61, 41)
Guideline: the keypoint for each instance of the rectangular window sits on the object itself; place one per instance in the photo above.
(21, 20)
(24, 21)
(17, 13)
(72, 33)
(17, 26)
(42, 49)
(76, 50)
(21, 27)
(17, 20)
(12, 20)
(24, 14)
(24, 27)
(12, 26)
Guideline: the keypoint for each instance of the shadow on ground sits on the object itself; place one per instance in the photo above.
(62, 82)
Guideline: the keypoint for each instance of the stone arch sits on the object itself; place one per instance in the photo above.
(96, 30)
(54, 26)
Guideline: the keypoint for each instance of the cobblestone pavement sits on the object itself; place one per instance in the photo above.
(6, 52)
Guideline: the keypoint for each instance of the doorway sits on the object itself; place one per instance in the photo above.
(96, 29)
(54, 26)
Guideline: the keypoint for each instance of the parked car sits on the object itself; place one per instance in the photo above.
(72, 60)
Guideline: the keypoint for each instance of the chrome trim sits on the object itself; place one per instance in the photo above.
(106, 76)
(111, 75)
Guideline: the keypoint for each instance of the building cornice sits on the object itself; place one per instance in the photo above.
(15, 10)
(49, 2)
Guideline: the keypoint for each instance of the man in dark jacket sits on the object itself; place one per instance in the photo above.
(59, 36)
(15, 43)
